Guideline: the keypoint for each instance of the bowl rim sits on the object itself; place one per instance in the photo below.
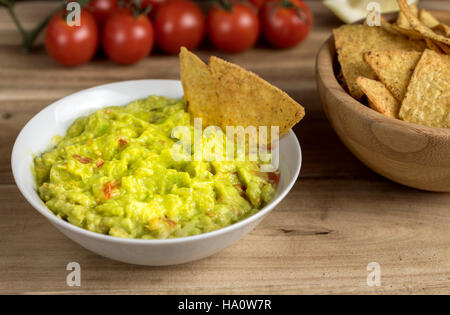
(48, 214)
(326, 55)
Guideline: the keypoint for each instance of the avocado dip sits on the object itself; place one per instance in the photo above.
(113, 173)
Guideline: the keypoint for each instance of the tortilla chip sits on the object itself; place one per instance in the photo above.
(352, 41)
(199, 88)
(428, 19)
(403, 27)
(380, 99)
(418, 25)
(442, 29)
(445, 28)
(402, 21)
(409, 32)
(414, 9)
(388, 26)
(427, 99)
(247, 100)
(223, 94)
(433, 23)
(431, 45)
(445, 48)
(439, 28)
(394, 68)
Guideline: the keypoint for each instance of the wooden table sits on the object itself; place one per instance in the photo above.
(339, 217)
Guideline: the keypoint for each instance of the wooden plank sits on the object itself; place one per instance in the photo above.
(339, 216)
(318, 240)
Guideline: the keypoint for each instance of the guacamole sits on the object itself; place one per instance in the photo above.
(113, 173)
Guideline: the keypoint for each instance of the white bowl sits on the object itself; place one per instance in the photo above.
(56, 118)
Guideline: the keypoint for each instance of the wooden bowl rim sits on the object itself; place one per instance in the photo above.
(324, 63)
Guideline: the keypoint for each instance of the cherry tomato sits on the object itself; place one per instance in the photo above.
(257, 3)
(71, 45)
(127, 39)
(233, 29)
(286, 23)
(101, 9)
(179, 23)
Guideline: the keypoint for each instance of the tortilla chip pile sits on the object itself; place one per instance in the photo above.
(403, 69)
(224, 94)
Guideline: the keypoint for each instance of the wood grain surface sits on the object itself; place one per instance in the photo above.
(339, 217)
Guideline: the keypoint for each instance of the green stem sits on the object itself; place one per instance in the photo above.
(287, 4)
(29, 40)
(226, 4)
(28, 37)
(136, 8)
(10, 7)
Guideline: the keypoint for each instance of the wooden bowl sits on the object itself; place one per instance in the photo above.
(410, 154)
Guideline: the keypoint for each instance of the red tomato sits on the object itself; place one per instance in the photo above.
(179, 23)
(286, 23)
(257, 3)
(101, 9)
(233, 30)
(71, 45)
(82, 159)
(127, 39)
(109, 189)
